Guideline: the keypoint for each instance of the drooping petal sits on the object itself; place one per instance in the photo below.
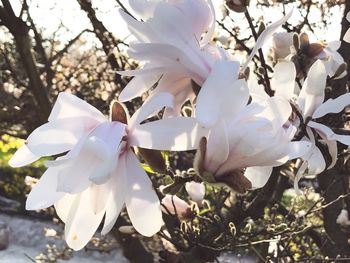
(44, 193)
(316, 162)
(142, 203)
(327, 133)
(152, 105)
(346, 37)
(63, 205)
(69, 106)
(332, 106)
(22, 157)
(82, 222)
(312, 94)
(117, 196)
(283, 81)
(174, 134)
(217, 89)
(258, 175)
(265, 35)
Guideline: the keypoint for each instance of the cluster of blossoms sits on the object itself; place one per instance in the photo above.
(240, 132)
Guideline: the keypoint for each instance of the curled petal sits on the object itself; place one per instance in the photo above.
(328, 134)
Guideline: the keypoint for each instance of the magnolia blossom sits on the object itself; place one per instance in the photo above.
(100, 173)
(196, 191)
(242, 135)
(174, 43)
(311, 106)
(283, 49)
(175, 206)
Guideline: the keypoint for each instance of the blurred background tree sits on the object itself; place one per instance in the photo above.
(39, 60)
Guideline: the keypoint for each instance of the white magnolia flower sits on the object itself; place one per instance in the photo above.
(196, 191)
(100, 172)
(175, 206)
(311, 105)
(242, 135)
(173, 40)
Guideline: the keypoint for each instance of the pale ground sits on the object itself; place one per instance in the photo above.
(28, 239)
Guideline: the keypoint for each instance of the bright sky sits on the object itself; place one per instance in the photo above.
(49, 14)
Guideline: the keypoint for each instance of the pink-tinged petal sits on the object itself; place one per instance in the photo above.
(174, 205)
(64, 205)
(346, 37)
(146, 70)
(219, 91)
(258, 175)
(141, 201)
(151, 106)
(22, 157)
(283, 81)
(137, 86)
(174, 134)
(170, 56)
(265, 35)
(82, 222)
(196, 191)
(312, 94)
(316, 162)
(117, 196)
(328, 134)
(68, 106)
(142, 8)
(140, 30)
(58, 136)
(208, 36)
(44, 193)
(217, 147)
(332, 106)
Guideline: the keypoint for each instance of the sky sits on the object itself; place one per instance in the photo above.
(50, 13)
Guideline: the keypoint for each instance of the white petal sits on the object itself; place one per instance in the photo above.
(332, 106)
(327, 133)
(58, 136)
(44, 193)
(347, 36)
(312, 94)
(22, 157)
(196, 191)
(117, 197)
(82, 222)
(211, 29)
(137, 86)
(68, 106)
(217, 147)
(265, 35)
(95, 161)
(219, 91)
(142, 202)
(258, 175)
(316, 162)
(152, 105)
(175, 134)
(283, 81)
(99, 195)
(298, 149)
(64, 205)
